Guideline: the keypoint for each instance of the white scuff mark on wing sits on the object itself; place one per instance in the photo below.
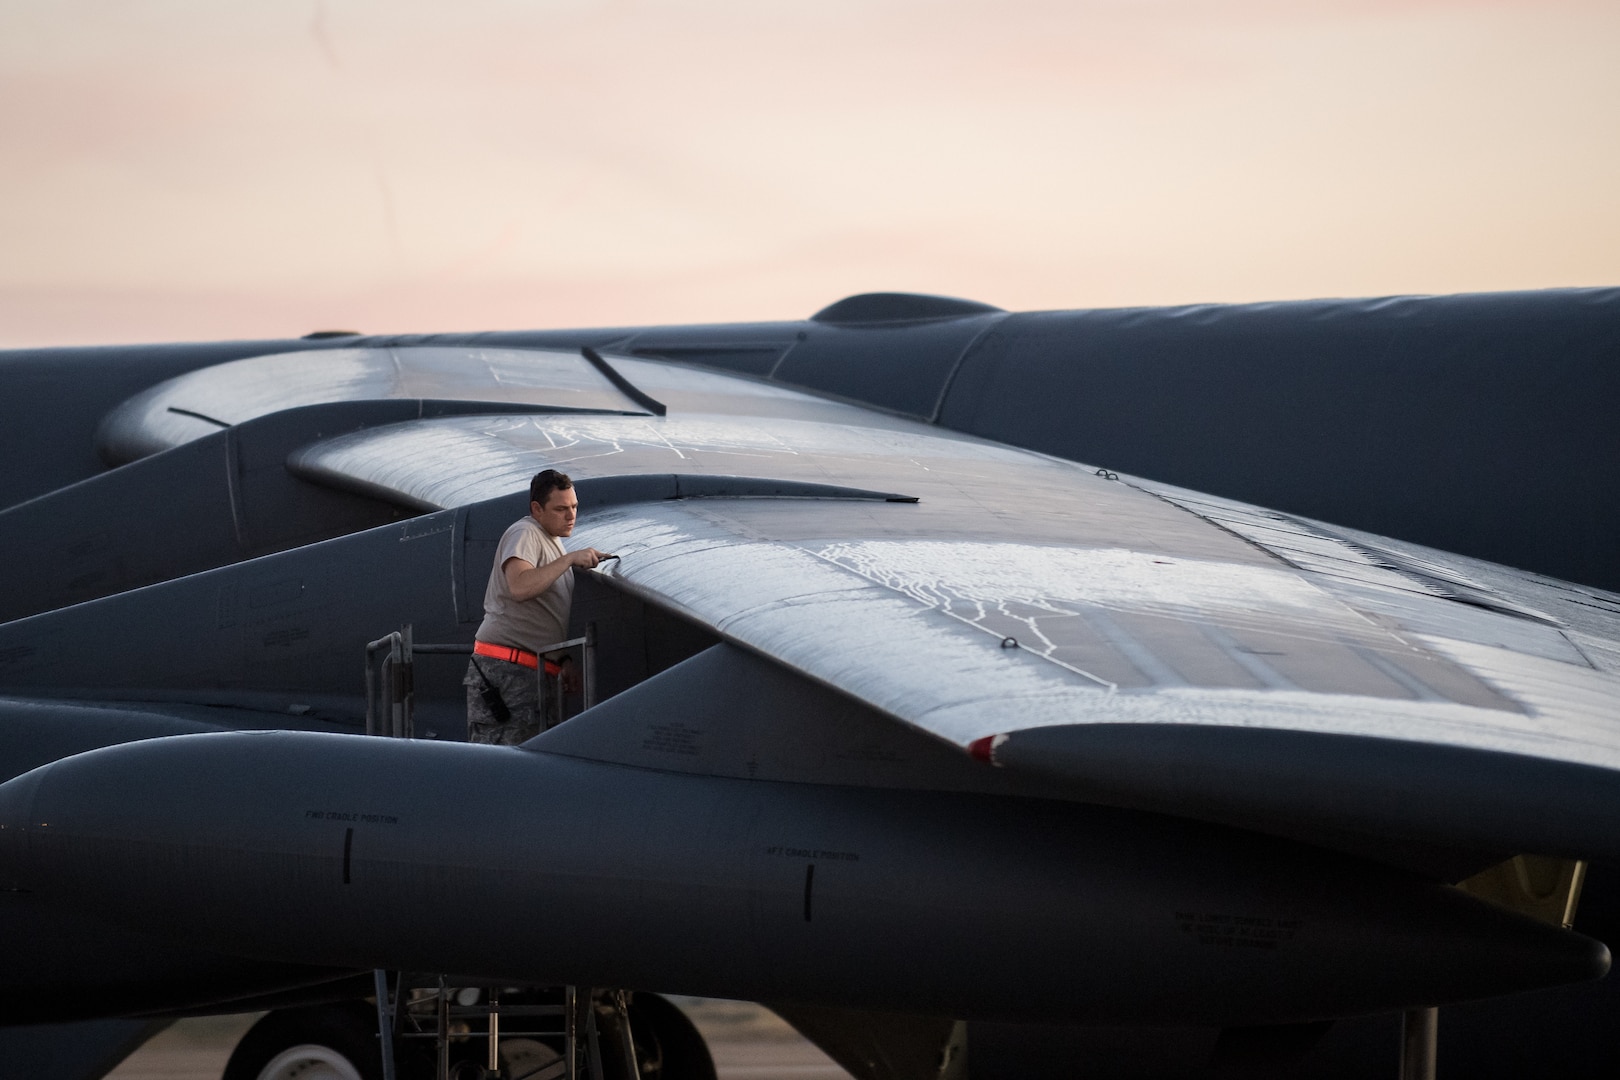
(683, 438)
(558, 438)
(441, 462)
(652, 426)
(571, 458)
(944, 603)
(1108, 577)
(729, 435)
(1068, 581)
(781, 447)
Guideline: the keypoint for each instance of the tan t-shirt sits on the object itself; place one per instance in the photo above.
(526, 624)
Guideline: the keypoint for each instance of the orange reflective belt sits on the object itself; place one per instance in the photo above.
(514, 656)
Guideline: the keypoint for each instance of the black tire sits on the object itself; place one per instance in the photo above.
(342, 1042)
(668, 1046)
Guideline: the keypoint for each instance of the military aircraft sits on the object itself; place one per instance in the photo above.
(1151, 692)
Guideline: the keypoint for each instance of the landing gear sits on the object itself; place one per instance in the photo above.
(323, 1042)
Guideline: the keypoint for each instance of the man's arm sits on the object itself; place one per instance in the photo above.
(526, 581)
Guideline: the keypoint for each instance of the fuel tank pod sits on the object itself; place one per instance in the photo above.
(347, 851)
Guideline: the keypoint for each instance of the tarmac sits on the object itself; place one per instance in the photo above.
(748, 1042)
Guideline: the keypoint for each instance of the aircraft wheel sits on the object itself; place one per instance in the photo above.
(325, 1042)
(668, 1046)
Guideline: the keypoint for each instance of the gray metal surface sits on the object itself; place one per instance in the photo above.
(1124, 610)
(325, 849)
(199, 403)
(80, 542)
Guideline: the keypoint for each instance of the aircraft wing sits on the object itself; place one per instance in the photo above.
(1145, 645)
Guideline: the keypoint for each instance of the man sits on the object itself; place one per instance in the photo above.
(531, 587)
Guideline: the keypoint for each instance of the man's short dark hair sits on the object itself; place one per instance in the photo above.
(545, 482)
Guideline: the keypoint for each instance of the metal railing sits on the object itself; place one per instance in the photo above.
(588, 1029)
(391, 678)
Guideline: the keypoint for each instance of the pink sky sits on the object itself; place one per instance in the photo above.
(181, 169)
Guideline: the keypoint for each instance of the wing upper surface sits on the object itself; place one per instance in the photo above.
(201, 402)
(1026, 592)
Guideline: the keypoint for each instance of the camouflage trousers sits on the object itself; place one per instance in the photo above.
(498, 686)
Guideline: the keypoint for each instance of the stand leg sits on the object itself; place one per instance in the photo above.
(494, 1032)
(444, 1030)
(1420, 1040)
(593, 1046)
(385, 1023)
(571, 1039)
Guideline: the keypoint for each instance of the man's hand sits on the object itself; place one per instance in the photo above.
(571, 682)
(525, 581)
